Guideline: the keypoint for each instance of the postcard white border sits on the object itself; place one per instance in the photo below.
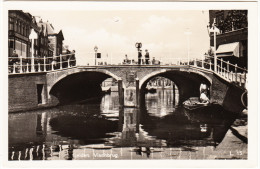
(76, 5)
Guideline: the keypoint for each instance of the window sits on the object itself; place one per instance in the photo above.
(11, 24)
(18, 27)
(27, 31)
(15, 26)
(18, 48)
(11, 44)
(24, 31)
(22, 28)
(24, 50)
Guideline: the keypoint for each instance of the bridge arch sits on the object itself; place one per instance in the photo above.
(160, 72)
(77, 84)
(187, 81)
(59, 75)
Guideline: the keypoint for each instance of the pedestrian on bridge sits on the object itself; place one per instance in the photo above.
(147, 57)
(139, 57)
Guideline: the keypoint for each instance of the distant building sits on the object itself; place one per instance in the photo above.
(55, 39)
(43, 41)
(19, 26)
(232, 40)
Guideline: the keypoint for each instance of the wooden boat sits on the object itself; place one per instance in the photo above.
(193, 103)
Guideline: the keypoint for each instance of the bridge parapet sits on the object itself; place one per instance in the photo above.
(229, 72)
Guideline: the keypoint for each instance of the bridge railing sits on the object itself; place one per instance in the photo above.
(226, 70)
(40, 64)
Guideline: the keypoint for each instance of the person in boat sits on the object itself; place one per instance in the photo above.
(203, 97)
(203, 87)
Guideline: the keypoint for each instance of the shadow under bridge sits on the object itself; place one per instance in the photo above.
(188, 83)
(78, 86)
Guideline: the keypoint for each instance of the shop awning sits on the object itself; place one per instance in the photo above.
(229, 49)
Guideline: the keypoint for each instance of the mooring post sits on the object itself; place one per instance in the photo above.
(121, 92)
(137, 92)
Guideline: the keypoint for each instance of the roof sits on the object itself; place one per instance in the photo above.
(229, 48)
(46, 27)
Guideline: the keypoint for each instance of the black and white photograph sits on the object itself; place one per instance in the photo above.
(154, 82)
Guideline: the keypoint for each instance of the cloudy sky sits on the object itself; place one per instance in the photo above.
(115, 33)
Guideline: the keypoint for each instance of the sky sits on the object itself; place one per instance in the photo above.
(115, 33)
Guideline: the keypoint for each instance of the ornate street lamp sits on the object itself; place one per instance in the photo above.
(95, 49)
(138, 45)
(214, 29)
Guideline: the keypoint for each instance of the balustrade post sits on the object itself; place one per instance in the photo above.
(179, 61)
(21, 65)
(14, 68)
(44, 64)
(221, 65)
(27, 67)
(39, 67)
(240, 79)
(68, 63)
(232, 76)
(209, 65)
(60, 61)
(244, 79)
(202, 63)
(235, 72)
(52, 66)
(195, 62)
(228, 65)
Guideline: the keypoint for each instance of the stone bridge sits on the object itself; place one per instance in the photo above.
(81, 82)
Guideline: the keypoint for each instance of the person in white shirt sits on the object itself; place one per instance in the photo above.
(203, 97)
(203, 87)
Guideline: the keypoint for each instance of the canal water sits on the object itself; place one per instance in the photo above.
(97, 129)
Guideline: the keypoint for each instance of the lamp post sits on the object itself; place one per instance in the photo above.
(95, 49)
(188, 33)
(214, 29)
(32, 36)
(138, 45)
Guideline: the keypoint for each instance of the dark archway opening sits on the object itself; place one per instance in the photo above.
(187, 83)
(79, 87)
(160, 96)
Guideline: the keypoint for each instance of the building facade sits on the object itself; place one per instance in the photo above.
(232, 39)
(19, 25)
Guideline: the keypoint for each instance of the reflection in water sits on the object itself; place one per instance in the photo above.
(98, 129)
